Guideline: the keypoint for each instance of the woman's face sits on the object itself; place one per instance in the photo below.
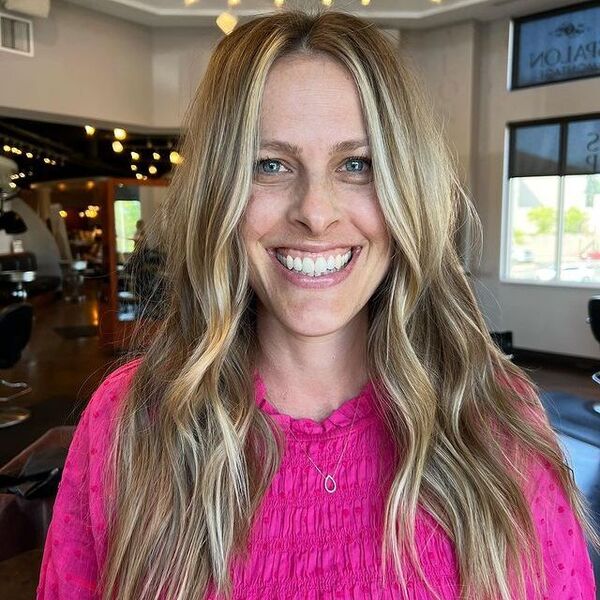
(316, 239)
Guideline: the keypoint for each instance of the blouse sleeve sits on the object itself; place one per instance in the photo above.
(567, 564)
(76, 540)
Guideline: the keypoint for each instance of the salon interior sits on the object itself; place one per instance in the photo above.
(92, 100)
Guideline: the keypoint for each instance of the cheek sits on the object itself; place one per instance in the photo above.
(370, 220)
(260, 218)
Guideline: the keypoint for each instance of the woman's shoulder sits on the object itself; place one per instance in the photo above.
(113, 386)
(101, 412)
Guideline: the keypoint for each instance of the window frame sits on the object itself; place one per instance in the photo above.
(515, 37)
(507, 208)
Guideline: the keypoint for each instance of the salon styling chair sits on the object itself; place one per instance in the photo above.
(594, 320)
(16, 321)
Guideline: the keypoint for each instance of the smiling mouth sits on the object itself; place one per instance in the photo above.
(316, 265)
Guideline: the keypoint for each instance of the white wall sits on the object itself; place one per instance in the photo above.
(179, 59)
(86, 65)
(465, 67)
(445, 58)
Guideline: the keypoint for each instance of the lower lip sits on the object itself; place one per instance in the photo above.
(323, 281)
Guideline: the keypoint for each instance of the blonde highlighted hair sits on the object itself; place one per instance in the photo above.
(193, 455)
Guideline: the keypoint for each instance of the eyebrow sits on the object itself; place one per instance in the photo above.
(345, 146)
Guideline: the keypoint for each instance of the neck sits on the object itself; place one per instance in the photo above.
(309, 377)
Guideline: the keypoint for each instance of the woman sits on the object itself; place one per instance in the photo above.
(323, 413)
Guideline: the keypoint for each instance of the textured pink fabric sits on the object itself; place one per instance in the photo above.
(305, 543)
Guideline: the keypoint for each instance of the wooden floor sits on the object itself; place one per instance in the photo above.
(64, 372)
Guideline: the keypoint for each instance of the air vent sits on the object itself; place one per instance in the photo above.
(16, 35)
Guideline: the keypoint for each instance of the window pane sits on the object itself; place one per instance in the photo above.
(127, 213)
(580, 261)
(536, 151)
(556, 47)
(533, 222)
(583, 147)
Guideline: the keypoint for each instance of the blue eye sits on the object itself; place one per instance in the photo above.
(272, 166)
(359, 164)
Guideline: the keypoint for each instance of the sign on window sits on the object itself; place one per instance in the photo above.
(556, 46)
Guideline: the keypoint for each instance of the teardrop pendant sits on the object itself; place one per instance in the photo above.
(328, 486)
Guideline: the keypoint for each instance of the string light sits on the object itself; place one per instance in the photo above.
(156, 156)
(175, 157)
(89, 130)
(152, 170)
(135, 156)
(63, 214)
(117, 146)
(120, 134)
(134, 167)
(138, 176)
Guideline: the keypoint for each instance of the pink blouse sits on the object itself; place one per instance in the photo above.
(305, 542)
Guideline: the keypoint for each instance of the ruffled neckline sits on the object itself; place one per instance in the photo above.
(340, 420)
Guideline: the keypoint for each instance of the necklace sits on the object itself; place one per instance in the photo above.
(328, 480)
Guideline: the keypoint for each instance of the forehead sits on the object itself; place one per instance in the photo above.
(308, 98)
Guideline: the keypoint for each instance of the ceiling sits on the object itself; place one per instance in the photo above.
(72, 153)
(391, 13)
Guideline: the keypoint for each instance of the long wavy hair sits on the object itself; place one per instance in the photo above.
(193, 455)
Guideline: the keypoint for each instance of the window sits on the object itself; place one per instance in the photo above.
(553, 217)
(556, 45)
(127, 214)
(16, 35)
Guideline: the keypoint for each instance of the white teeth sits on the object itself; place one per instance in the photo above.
(308, 266)
(320, 265)
(315, 268)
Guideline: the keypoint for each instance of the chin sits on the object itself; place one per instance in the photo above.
(310, 325)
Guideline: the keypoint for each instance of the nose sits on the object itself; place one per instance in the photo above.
(315, 209)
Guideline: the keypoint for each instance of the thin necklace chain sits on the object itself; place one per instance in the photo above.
(328, 480)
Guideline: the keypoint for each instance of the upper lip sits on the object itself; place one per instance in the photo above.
(316, 248)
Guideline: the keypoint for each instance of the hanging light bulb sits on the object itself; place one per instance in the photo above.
(6, 148)
(138, 176)
(152, 170)
(135, 155)
(120, 134)
(226, 23)
(175, 157)
(134, 167)
(29, 154)
(117, 146)
(156, 156)
(89, 130)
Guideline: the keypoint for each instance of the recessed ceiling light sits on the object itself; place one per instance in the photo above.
(226, 23)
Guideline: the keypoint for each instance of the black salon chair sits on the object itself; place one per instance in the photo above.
(15, 330)
(594, 321)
